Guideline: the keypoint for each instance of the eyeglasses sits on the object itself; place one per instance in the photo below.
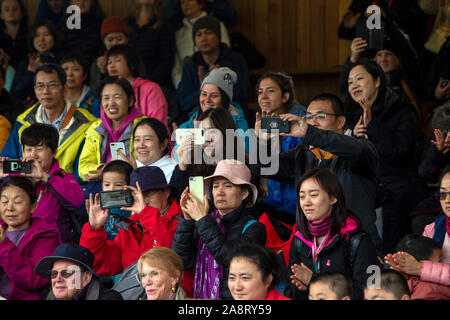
(320, 116)
(442, 195)
(64, 273)
(154, 275)
(50, 86)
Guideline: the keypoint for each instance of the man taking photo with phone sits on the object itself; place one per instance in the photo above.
(325, 145)
(58, 192)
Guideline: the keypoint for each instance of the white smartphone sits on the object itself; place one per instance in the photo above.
(197, 135)
(197, 187)
(116, 146)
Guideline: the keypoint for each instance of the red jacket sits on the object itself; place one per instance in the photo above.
(113, 256)
(275, 295)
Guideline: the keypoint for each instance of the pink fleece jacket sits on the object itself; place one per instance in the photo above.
(438, 272)
(150, 99)
(58, 198)
(18, 263)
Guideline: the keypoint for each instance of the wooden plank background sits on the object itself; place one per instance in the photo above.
(298, 37)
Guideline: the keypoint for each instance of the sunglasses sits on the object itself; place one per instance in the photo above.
(64, 273)
(441, 195)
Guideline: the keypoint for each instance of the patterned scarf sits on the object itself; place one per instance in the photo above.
(447, 225)
(208, 273)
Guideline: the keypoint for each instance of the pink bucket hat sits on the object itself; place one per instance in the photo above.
(234, 171)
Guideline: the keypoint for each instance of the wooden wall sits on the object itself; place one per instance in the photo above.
(298, 37)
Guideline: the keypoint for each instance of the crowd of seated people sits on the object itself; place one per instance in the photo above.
(132, 168)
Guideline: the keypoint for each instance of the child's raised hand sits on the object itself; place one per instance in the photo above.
(97, 216)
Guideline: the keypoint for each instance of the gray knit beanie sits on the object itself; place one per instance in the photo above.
(207, 22)
(224, 78)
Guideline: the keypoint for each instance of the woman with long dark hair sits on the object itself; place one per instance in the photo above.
(377, 113)
(216, 123)
(325, 235)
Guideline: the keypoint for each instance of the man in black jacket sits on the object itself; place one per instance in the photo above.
(324, 145)
(72, 276)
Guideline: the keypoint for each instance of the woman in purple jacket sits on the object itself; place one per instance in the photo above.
(23, 241)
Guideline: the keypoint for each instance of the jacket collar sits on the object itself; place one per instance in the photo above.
(349, 226)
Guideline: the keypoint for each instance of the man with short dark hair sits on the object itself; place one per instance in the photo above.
(70, 121)
(211, 54)
(325, 145)
(59, 192)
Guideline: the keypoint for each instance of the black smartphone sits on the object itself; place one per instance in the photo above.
(116, 199)
(275, 123)
(444, 83)
(16, 166)
(374, 37)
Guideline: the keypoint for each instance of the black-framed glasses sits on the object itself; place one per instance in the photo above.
(64, 273)
(319, 116)
(50, 86)
(441, 195)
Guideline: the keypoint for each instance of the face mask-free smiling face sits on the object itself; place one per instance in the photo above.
(115, 102)
(16, 208)
(361, 84)
(270, 97)
(147, 146)
(157, 282)
(210, 97)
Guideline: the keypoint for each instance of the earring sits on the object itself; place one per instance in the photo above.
(174, 289)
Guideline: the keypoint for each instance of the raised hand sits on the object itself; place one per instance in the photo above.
(3, 175)
(138, 196)
(130, 159)
(37, 173)
(360, 130)
(193, 207)
(442, 143)
(298, 125)
(440, 92)
(184, 154)
(97, 216)
(358, 45)
(404, 262)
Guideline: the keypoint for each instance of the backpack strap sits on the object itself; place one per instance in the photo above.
(248, 224)
(353, 247)
(138, 98)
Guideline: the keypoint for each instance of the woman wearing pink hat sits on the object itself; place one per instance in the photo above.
(204, 239)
